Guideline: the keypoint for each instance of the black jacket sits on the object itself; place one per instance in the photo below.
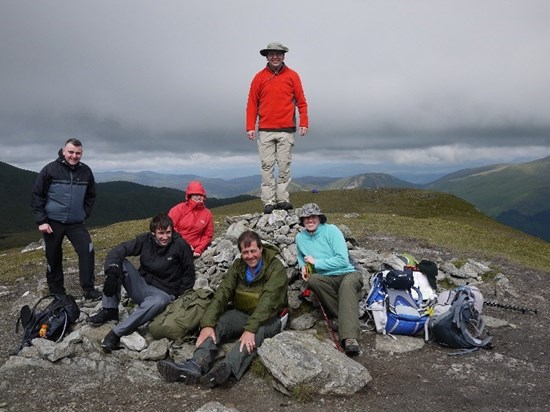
(63, 193)
(169, 268)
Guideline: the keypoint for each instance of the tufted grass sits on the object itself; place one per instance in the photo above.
(429, 218)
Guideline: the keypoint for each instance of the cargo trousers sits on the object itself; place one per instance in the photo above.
(340, 295)
(275, 148)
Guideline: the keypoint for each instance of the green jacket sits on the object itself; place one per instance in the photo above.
(263, 299)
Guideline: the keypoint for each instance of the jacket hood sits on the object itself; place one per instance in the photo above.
(194, 188)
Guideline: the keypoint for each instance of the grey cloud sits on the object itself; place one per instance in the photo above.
(164, 85)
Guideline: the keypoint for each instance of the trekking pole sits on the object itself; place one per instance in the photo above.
(309, 271)
(511, 307)
(332, 334)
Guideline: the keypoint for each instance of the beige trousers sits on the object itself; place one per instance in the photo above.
(275, 148)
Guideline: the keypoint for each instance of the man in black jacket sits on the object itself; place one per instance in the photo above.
(62, 199)
(166, 270)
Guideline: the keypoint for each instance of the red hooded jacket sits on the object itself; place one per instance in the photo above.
(192, 220)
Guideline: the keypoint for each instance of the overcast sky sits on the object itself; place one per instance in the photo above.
(401, 87)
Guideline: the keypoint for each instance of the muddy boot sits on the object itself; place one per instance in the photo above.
(218, 375)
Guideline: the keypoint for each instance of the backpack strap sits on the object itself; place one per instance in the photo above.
(65, 324)
(420, 297)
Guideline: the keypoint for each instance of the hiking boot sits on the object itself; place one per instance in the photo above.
(110, 342)
(269, 208)
(218, 375)
(188, 372)
(351, 347)
(284, 206)
(103, 316)
(92, 294)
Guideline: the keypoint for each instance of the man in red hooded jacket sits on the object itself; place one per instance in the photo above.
(192, 220)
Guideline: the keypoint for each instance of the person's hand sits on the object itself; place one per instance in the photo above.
(307, 269)
(206, 332)
(196, 254)
(303, 131)
(251, 134)
(310, 259)
(305, 272)
(248, 341)
(45, 228)
(112, 281)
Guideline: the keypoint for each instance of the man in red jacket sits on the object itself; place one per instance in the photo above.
(274, 94)
(192, 220)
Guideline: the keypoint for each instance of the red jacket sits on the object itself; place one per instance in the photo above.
(194, 222)
(273, 99)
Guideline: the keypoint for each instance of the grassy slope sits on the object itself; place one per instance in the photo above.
(522, 187)
(432, 218)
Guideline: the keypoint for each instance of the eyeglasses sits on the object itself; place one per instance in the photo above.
(275, 54)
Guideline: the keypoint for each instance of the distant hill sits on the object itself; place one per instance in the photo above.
(369, 181)
(515, 194)
(215, 187)
(15, 197)
(251, 184)
(115, 202)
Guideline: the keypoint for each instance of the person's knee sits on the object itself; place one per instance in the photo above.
(158, 303)
(353, 280)
(313, 282)
(268, 166)
(268, 330)
(127, 266)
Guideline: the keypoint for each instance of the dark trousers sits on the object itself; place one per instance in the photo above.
(340, 297)
(231, 326)
(82, 243)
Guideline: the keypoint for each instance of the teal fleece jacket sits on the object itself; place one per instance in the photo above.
(328, 247)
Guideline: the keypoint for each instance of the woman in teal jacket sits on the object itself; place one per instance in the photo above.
(324, 262)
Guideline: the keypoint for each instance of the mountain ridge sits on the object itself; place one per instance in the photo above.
(514, 194)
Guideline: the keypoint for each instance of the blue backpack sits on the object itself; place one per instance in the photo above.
(394, 310)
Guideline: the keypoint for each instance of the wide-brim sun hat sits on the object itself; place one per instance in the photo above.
(311, 209)
(274, 46)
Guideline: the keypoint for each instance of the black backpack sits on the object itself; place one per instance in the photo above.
(49, 323)
(458, 322)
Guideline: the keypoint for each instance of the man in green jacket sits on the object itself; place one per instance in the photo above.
(256, 285)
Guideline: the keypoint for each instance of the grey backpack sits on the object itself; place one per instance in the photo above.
(458, 322)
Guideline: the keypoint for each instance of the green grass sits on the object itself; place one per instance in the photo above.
(429, 218)
(303, 393)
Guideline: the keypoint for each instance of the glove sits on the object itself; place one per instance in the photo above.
(112, 280)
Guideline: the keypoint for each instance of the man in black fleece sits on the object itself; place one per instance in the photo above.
(166, 270)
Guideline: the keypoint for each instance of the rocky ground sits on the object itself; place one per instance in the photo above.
(514, 376)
